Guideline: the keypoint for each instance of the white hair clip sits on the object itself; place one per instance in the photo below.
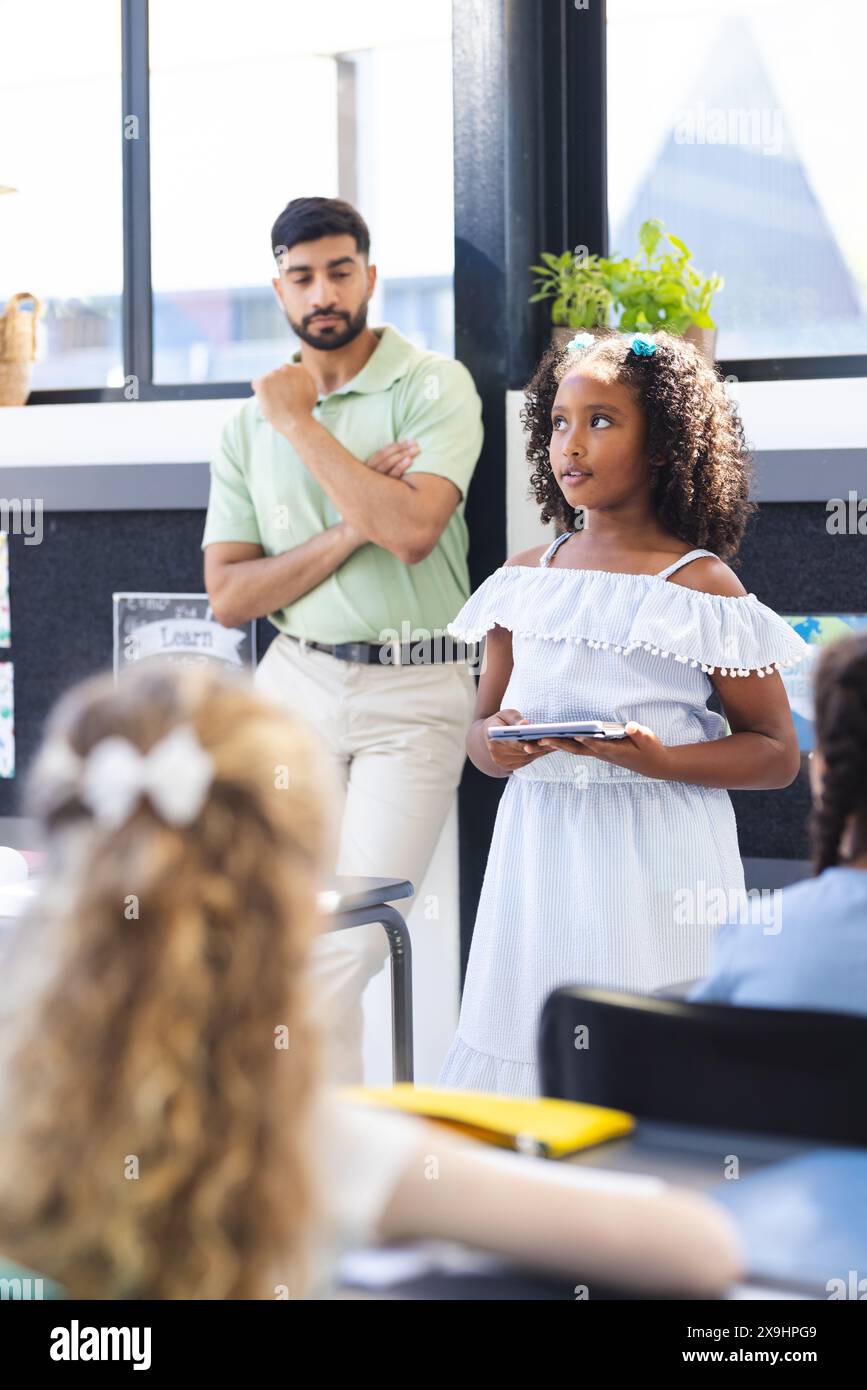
(175, 773)
(580, 342)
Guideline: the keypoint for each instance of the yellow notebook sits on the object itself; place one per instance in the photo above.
(550, 1128)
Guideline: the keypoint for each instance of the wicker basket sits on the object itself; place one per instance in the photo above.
(17, 348)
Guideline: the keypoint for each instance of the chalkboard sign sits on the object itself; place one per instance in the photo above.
(177, 627)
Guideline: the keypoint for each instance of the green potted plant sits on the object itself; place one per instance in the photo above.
(580, 287)
(659, 288)
(665, 290)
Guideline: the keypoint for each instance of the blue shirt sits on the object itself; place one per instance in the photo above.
(811, 953)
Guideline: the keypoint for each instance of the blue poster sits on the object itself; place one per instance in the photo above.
(818, 629)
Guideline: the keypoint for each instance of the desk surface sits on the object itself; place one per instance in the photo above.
(688, 1156)
(340, 894)
(345, 894)
(680, 1154)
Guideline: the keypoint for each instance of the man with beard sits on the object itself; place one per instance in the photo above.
(337, 510)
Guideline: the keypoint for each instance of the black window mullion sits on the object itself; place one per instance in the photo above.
(582, 109)
(529, 108)
(137, 288)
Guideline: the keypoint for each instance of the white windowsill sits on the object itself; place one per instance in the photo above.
(815, 414)
(111, 432)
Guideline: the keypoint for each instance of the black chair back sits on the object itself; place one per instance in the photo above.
(773, 1071)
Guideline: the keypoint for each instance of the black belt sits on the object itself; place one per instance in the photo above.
(427, 652)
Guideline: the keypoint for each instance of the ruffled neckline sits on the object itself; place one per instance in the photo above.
(622, 574)
(621, 612)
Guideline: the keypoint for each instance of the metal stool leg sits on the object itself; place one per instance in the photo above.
(400, 951)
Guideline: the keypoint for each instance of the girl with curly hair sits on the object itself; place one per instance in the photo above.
(604, 852)
(820, 960)
(165, 1129)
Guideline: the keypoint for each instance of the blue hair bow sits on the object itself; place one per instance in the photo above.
(642, 345)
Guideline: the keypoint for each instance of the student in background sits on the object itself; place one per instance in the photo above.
(164, 1129)
(813, 953)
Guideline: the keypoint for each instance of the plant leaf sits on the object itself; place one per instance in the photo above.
(649, 234)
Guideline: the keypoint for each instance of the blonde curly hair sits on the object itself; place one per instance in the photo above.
(162, 1079)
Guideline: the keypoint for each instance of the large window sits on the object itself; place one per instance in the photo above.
(252, 105)
(222, 114)
(741, 126)
(61, 233)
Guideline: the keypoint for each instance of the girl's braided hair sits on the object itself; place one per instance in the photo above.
(840, 691)
(701, 491)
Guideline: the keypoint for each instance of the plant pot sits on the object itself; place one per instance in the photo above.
(704, 339)
(17, 349)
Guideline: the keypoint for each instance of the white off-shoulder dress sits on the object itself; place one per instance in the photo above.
(598, 875)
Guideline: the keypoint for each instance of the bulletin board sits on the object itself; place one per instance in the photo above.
(62, 610)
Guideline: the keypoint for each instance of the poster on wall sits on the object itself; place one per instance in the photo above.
(177, 627)
(817, 629)
(7, 725)
(5, 618)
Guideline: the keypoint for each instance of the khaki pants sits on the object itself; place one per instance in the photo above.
(395, 735)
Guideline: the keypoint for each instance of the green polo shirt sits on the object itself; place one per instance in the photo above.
(261, 492)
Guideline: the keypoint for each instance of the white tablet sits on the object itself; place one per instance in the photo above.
(566, 728)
